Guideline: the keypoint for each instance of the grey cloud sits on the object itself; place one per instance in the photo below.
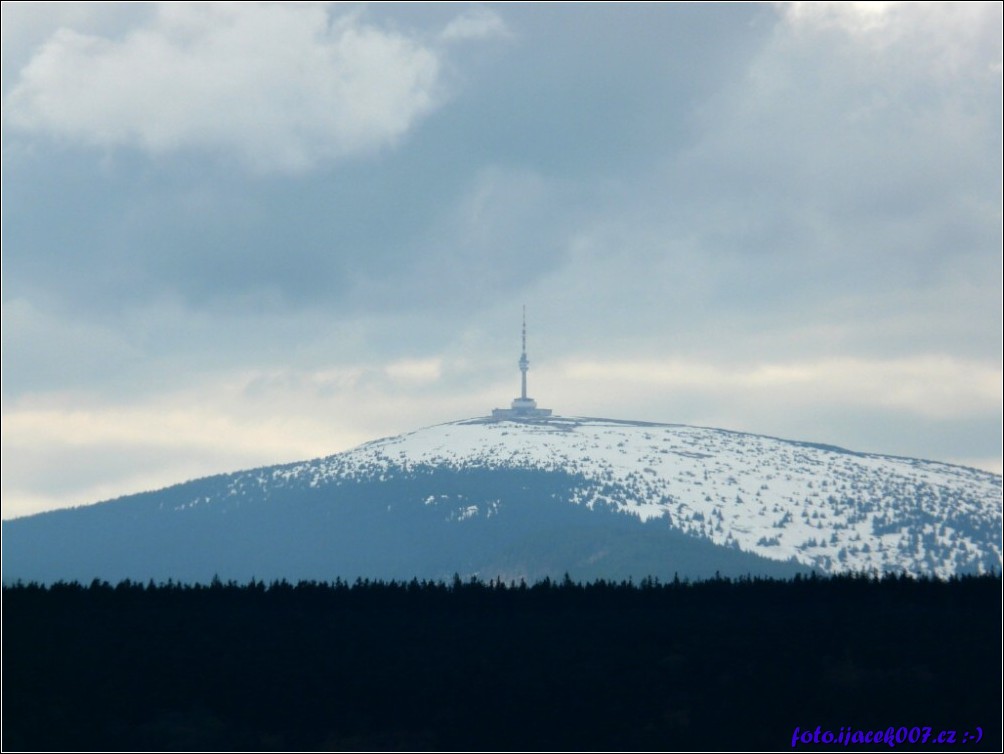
(704, 182)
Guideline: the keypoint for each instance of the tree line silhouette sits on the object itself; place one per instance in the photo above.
(472, 664)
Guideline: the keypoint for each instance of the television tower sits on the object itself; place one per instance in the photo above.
(523, 407)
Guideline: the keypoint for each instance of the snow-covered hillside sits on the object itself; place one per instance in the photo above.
(826, 507)
(594, 498)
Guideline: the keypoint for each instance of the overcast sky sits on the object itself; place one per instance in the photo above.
(244, 234)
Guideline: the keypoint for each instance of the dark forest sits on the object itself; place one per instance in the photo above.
(556, 665)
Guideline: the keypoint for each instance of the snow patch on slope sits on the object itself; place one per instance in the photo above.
(826, 507)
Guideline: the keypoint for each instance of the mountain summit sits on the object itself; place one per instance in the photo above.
(533, 497)
(526, 494)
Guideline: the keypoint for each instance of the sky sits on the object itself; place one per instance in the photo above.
(241, 234)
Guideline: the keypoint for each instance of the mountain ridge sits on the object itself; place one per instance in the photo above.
(481, 490)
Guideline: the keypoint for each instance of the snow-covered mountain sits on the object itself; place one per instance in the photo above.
(544, 496)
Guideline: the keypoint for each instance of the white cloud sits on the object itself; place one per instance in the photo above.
(280, 86)
(855, 17)
(934, 387)
(947, 39)
(478, 23)
(72, 448)
(415, 371)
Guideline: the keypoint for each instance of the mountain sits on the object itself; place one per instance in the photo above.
(534, 497)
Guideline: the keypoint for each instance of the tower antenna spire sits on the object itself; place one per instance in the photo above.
(524, 328)
(524, 363)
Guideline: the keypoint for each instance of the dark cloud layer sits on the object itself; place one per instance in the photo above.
(573, 101)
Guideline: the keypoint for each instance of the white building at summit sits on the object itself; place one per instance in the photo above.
(522, 407)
